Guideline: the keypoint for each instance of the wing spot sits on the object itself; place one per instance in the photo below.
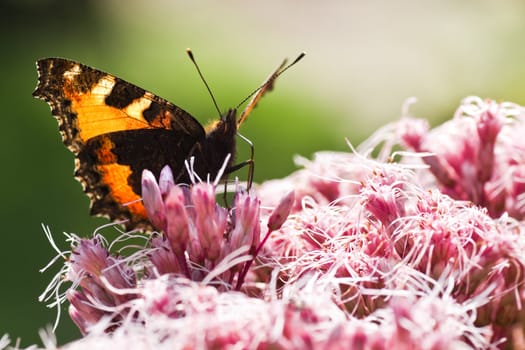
(104, 152)
(103, 88)
(72, 73)
(137, 107)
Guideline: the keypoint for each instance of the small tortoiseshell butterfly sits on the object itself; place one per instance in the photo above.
(116, 129)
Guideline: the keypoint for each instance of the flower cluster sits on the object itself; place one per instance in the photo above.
(176, 313)
(197, 239)
(350, 251)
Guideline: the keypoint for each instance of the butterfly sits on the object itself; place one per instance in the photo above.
(116, 130)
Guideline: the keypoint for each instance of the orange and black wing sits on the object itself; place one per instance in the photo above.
(115, 129)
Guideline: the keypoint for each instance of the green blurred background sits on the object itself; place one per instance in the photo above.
(364, 59)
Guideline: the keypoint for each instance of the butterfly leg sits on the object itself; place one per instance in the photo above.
(249, 162)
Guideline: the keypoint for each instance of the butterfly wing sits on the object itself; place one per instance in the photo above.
(115, 130)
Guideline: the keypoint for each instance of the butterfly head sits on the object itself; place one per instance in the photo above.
(220, 141)
(225, 125)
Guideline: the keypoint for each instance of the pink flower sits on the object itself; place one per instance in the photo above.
(477, 156)
(200, 240)
(200, 233)
(97, 274)
(177, 313)
(348, 252)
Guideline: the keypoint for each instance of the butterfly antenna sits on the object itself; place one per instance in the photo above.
(256, 94)
(190, 54)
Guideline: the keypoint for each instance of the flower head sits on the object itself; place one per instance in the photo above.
(476, 156)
